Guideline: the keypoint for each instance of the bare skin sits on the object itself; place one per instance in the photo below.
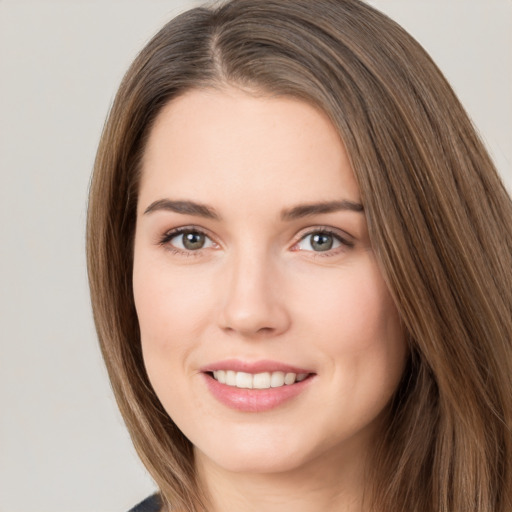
(252, 251)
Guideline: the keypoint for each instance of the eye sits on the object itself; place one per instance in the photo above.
(322, 241)
(188, 240)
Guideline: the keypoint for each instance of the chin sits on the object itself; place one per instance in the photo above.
(303, 447)
(250, 463)
(259, 453)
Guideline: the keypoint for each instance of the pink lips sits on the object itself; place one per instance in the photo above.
(254, 400)
(253, 367)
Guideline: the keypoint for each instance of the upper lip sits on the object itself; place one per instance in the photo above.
(253, 366)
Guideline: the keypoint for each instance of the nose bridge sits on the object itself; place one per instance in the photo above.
(252, 301)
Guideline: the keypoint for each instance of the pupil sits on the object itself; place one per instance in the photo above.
(321, 242)
(193, 240)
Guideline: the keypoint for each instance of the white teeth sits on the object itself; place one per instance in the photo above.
(277, 380)
(261, 381)
(289, 378)
(220, 375)
(264, 380)
(243, 380)
(231, 378)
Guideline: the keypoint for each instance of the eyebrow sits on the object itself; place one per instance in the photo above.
(306, 210)
(183, 207)
(297, 212)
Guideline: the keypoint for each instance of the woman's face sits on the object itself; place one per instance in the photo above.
(253, 269)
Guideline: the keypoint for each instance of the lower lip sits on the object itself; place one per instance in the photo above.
(254, 400)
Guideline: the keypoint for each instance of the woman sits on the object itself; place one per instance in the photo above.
(300, 266)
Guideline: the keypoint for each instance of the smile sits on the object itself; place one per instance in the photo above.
(265, 380)
(256, 386)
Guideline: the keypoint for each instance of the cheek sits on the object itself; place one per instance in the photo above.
(169, 301)
(161, 321)
(171, 313)
(357, 326)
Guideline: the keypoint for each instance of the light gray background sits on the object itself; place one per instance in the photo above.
(63, 447)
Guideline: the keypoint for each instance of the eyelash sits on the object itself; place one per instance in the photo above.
(320, 230)
(345, 243)
(173, 233)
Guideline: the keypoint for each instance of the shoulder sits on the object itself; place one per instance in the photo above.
(151, 504)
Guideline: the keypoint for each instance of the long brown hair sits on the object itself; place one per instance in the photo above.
(439, 218)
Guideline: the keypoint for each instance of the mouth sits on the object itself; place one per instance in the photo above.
(255, 387)
(264, 380)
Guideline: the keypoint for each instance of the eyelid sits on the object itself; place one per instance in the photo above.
(346, 240)
(165, 239)
(340, 233)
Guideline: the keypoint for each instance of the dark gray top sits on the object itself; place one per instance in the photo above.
(151, 504)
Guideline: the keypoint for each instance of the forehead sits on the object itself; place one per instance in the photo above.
(225, 143)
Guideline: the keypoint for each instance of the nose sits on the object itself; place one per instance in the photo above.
(253, 303)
